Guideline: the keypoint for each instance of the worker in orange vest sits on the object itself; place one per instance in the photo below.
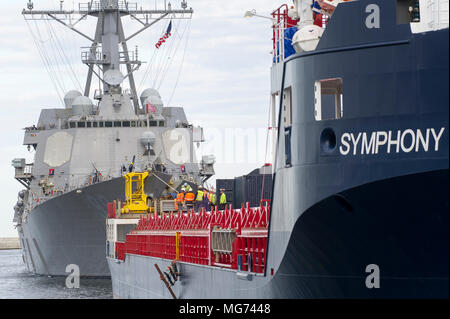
(179, 201)
(189, 200)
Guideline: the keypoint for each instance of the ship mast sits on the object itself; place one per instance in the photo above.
(109, 49)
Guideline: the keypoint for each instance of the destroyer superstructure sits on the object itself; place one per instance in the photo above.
(82, 149)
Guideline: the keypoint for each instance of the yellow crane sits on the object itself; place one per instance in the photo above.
(135, 198)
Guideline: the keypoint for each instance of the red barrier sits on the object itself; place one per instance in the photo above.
(120, 250)
(156, 236)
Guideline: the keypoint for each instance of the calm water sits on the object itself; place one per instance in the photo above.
(16, 282)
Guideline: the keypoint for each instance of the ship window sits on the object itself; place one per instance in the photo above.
(153, 123)
(88, 124)
(72, 124)
(328, 99)
(133, 123)
(161, 123)
(408, 11)
(287, 107)
(144, 123)
(287, 146)
(81, 124)
(117, 124)
(100, 124)
(126, 124)
(108, 124)
(94, 124)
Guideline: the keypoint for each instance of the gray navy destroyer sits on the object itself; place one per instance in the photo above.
(83, 148)
(359, 205)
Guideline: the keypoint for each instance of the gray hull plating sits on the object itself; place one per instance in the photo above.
(137, 278)
(70, 229)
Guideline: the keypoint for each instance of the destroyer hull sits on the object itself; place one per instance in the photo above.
(330, 246)
(70, 229)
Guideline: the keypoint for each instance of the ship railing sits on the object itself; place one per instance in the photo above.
(89, 6)
(89, 56)
(127, 6)
(280, 16)
(129, 57)
(96, 6)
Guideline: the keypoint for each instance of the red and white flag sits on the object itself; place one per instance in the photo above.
(150, 108)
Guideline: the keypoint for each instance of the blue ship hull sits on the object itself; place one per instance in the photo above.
(338, 206)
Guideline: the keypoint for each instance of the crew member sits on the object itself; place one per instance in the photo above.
(212, 200)
(199, 198)
(223, 199)
(187, 187)
(179, 201)
(189, 200)
(205, 202)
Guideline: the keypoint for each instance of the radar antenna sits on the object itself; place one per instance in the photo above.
(109, 36)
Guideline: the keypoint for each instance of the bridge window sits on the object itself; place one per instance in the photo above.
(95, 124)
(133, 123)
(81, 124)
(117, 124)
(287, 107)
(101, 124)
(72, 124)
(161, 123)
(328, 99)
(408, 11)
(287, 146)
(126, 123)
(153, 123)
(88, 124)
(108, 124)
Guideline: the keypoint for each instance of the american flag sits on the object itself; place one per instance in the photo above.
(165, 36)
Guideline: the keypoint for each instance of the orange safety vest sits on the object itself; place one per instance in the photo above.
(189, 197)
(180, 197)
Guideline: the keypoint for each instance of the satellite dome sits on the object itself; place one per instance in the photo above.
(113, 77)
(147, 93)
(148, 138)
(70, 97)
(82, 105)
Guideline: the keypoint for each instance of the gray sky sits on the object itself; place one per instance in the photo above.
(223, 83)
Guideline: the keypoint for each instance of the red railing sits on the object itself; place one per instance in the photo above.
(282, 21)
(111, 210)
(187, 237)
